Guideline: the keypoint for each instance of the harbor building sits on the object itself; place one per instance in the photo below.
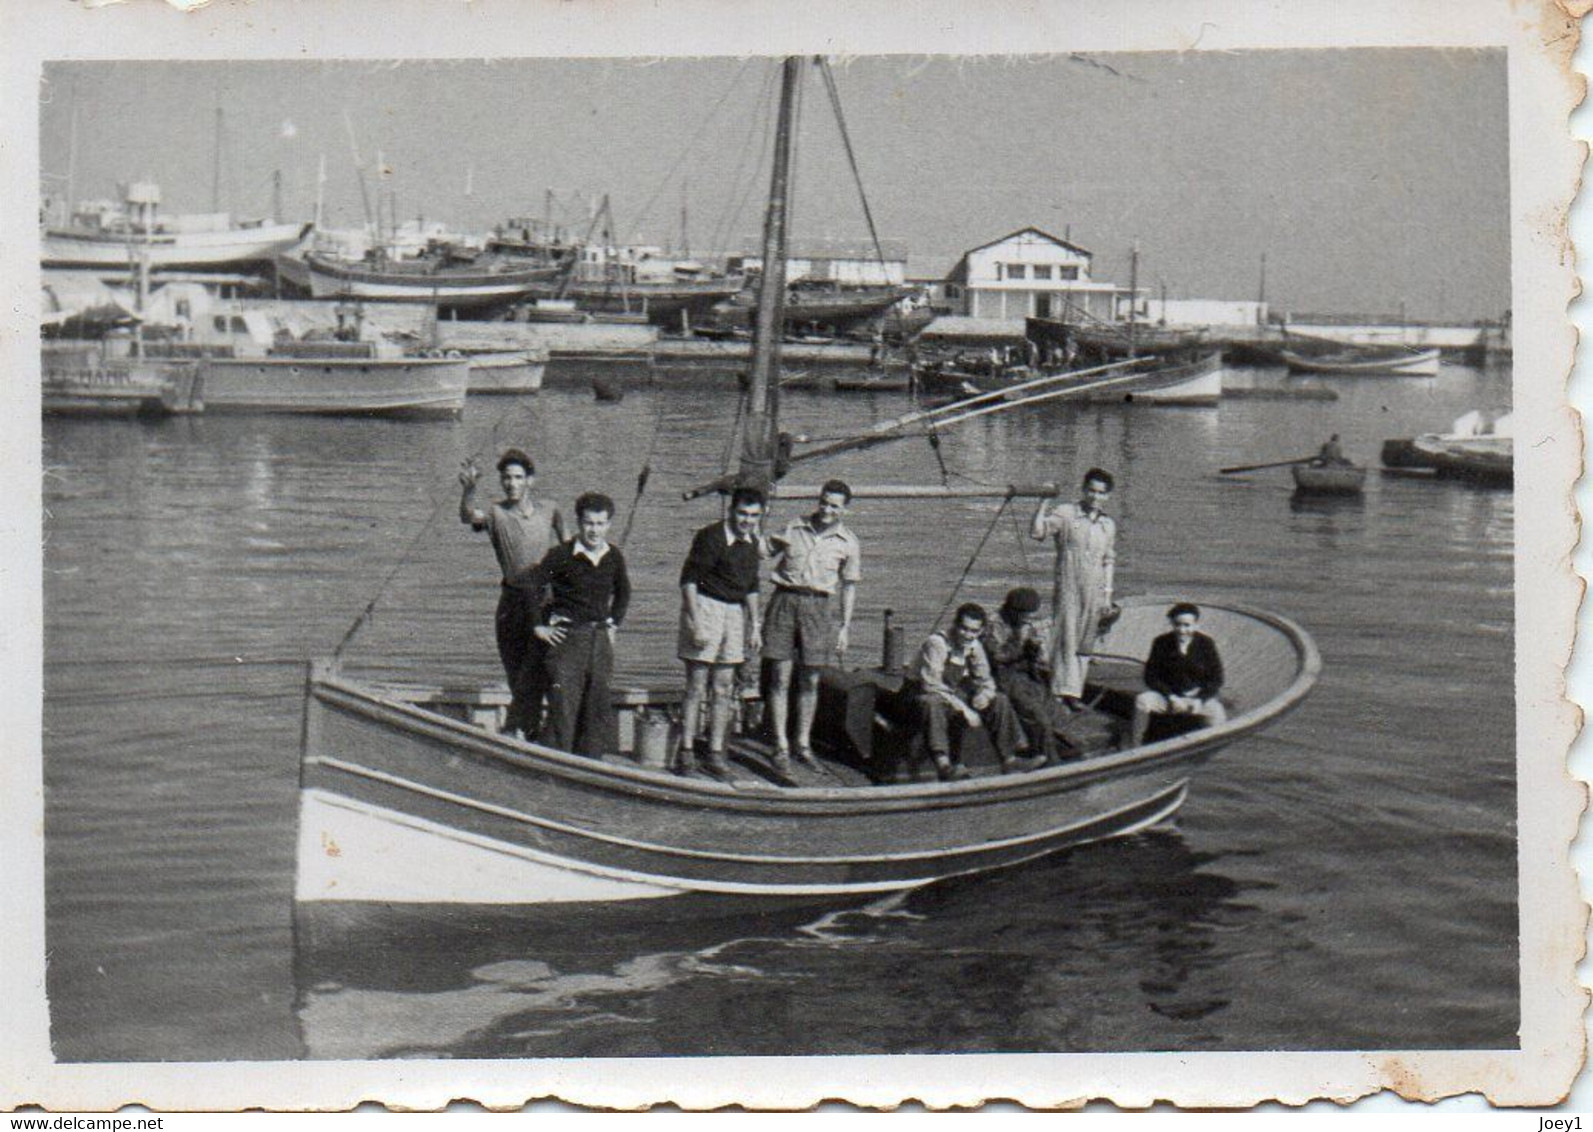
(1028, 273)
(841, 263)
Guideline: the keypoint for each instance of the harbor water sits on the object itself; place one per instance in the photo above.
(1344, 880)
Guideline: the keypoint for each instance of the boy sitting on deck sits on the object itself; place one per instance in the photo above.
(1183, 675)
(953, 691)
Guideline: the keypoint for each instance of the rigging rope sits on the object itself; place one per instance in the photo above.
(739, 193)
(647, 468)
(370, 607)
(851, 155)
(968, 569)
(635, 228)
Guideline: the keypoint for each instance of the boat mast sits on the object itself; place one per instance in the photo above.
(71, 162)
(1133, 296)
(320, 191)
(215, 168)
(1261, 294)
(759, 437)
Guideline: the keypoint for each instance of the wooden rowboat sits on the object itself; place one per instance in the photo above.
(1396, 361)
(411, 796)
(1329, 479)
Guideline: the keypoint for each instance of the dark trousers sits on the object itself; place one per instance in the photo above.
(523, 659)
(944, 726)
(580, 704)
(1035, 707)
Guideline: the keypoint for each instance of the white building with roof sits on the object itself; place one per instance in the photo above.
(1028, 273)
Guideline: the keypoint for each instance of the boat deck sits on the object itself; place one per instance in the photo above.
(1095, 730)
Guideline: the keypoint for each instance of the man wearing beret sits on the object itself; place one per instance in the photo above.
(1016, 640)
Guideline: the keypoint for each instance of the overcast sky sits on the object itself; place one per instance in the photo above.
(1370, 178)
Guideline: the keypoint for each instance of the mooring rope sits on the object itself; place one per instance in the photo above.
(968, 569)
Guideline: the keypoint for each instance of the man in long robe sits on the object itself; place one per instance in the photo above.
(1081, 593)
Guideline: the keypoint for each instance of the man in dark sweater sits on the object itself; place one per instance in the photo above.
(1183, 674)
(589, 593)
(718, 623)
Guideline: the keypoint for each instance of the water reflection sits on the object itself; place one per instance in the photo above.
(1005, 954)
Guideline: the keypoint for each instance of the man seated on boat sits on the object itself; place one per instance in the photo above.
(816, 557)
(953, 691)
(522, 529)
(1016, 641)
(1331, 455)
(589, 592)
(718, 623)
(1183, 675)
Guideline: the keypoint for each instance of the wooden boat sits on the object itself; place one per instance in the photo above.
(1329, 479)
(1153, 381)
(113, 239)
(485, 282)
(1482, 459)
(1394, 361)
(830, 308)
(85, 379)
(505, 372)
(333, 378)
(1474, 449)
(411, 796)
(1109, 340)
(662, 303)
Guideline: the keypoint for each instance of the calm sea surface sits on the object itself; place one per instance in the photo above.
(1345, 880)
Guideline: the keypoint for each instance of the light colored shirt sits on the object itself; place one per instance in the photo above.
(960, 675)
(817, 560)
(521, 537)
(595, 557)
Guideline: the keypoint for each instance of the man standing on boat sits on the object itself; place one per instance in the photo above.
(718, 623)
(1182, 675)
(816, 558)
(522, 529)
(953, 691)
(1081, 594)
(589, 594)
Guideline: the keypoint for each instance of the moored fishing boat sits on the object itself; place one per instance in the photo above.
(817, 307)
(1181, 381)
(1475, 449)
(506, 372)
(332, 378)
(1390, 361)
(112, 237)
(412, 795)
(481, 282)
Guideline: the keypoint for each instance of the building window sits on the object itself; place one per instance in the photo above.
(953, 291)
(999, 274)
(1017, 271)
(1042, 271)
(1067, 272)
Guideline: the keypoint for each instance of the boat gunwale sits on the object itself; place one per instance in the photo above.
(367, 700)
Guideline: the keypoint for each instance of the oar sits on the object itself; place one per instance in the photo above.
(1258, 467)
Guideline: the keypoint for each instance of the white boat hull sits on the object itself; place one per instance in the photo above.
(353, 851)
(506, 373)
(64, 248)
(1197, 384)
(1421, 364)
(403, 387)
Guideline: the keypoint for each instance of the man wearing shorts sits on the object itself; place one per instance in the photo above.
(817, 558)
(718, 624)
